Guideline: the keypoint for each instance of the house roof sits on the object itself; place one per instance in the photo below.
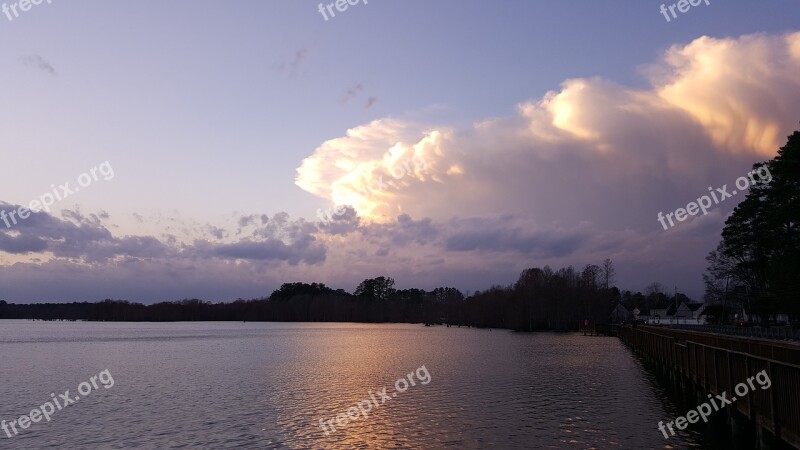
(672, 309)
(620, 305)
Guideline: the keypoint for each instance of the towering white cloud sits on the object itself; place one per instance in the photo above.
(372, 164)
(710, 101)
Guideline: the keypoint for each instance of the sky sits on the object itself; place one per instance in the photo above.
(221, 149)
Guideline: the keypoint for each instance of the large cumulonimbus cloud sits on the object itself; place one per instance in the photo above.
(611, 153)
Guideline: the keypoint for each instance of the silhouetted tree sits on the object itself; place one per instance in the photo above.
(375, 288)
(760, 248)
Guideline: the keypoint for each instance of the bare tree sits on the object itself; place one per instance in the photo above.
(608, 273)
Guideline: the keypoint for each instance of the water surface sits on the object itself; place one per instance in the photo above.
(267, 385)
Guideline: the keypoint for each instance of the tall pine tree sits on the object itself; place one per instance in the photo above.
(761, 239)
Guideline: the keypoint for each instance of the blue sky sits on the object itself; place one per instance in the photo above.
(206, 112)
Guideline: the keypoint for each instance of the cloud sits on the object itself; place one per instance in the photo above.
(509, 234)
(246, 221)
(85, 239)
(216, 232)
(37, 62)
(356, 170)
(21, 244)
(292, 67)
(75, 257)
(266, 250)
(352, 92)
(742, 91)
(338, 221)
(250, 221)
(704, 119)
(404, 231)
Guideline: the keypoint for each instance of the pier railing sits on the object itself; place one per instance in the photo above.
(779, 333)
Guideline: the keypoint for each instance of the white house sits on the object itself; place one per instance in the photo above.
(684, 314)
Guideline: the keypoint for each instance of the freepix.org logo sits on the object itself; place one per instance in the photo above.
(340, 5)
(683, 6)
(704, 203)
(20, 6)
(55, 404)
(14, 215)
(364, 407)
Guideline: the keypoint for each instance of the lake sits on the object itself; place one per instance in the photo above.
(268, 385)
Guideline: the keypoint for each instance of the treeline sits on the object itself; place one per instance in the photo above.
(542, 299)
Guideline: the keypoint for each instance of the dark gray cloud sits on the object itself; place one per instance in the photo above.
(471, 253)
(352, 92)
(61, 237)
(505, 233)
(403, 231)
(20, 245)
(79, 237)
(217, 232)
(308, 252)
(252, 219)
(340, 220)
(508, 234)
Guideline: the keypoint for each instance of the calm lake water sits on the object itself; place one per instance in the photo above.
(263, 386)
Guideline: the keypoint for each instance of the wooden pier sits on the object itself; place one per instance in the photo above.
(713, 364)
